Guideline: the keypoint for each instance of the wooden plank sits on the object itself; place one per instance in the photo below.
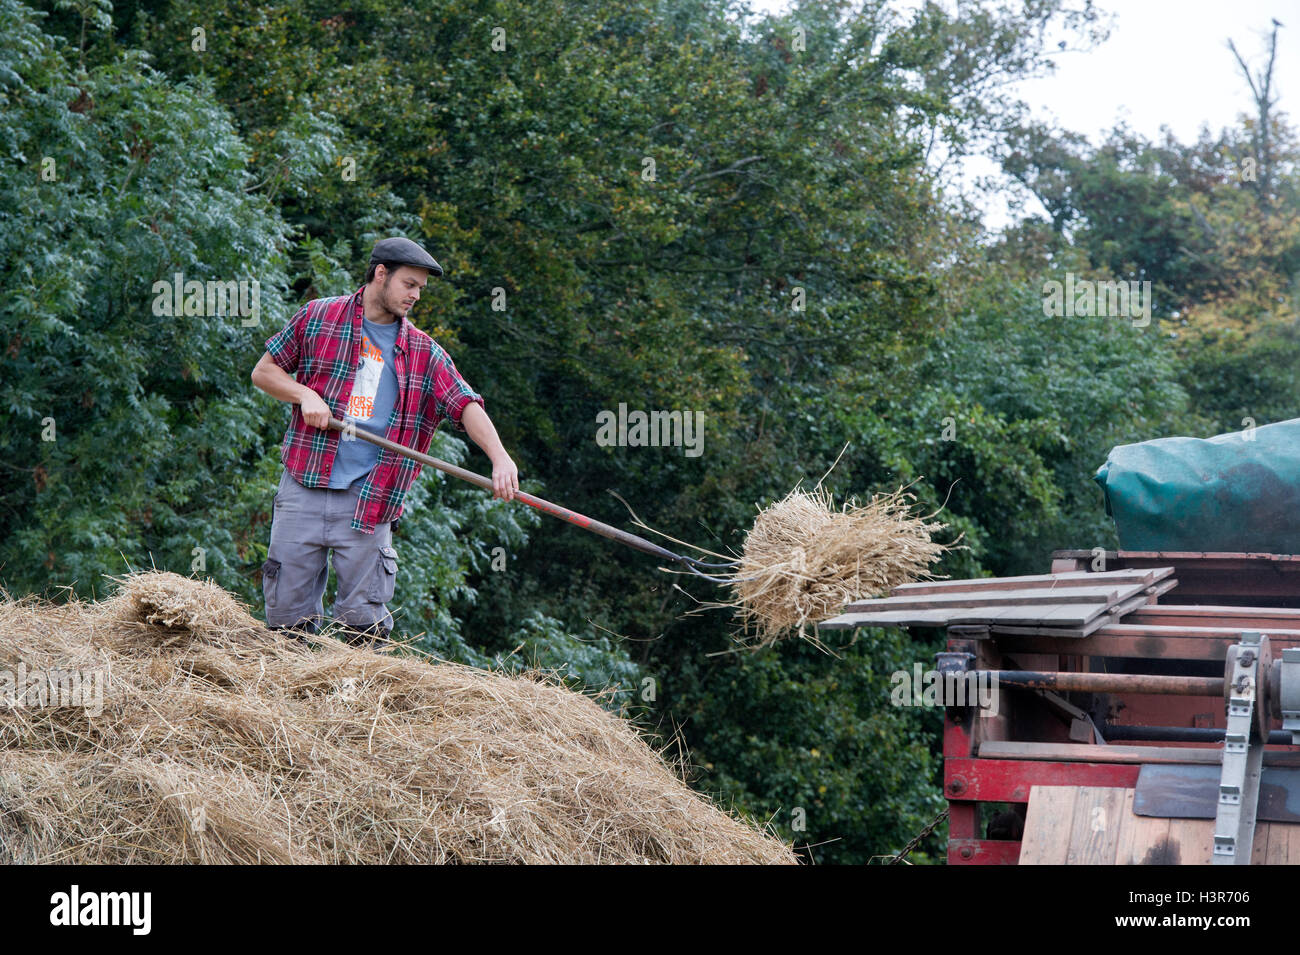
(1259, 848)
(1247, 618)
(1028, 616)
(1143, 840)
(1116, 613)
(1143, 575)
(1191, 841)
(902, 618)
(1099, 753)
(1293, 844)
(1278, 850)
(1128, 823)
(1229, 632)
(1046, 837)
(1064, 617)
(1119, 753)
(1001, 598)
(1062, 626)
(1112, 614)
(1146, 599)
(1094, 832)
(1136, 631)
(1146, 840)
(1071, 615)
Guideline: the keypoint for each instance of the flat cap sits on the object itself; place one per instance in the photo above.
(401, 251)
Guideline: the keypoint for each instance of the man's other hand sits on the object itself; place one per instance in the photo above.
(505, 478)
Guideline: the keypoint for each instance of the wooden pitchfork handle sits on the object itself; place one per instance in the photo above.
(555, 510)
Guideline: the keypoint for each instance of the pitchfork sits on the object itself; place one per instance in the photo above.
(700, 568)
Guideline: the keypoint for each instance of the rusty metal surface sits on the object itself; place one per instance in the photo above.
(1173, 791)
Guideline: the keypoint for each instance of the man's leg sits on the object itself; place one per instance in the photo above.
(365, 567)
(295, 572)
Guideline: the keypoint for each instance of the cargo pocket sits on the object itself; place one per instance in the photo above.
(385, 579)
(270, 581)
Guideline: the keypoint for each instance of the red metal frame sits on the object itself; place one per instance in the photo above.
(1253, 580)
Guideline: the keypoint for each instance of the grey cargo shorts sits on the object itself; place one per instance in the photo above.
(308, 523)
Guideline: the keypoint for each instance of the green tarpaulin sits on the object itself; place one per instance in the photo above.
(1234, 492)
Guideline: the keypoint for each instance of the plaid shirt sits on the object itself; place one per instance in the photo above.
(323, 345)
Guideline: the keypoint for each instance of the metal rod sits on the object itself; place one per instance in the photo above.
(1179, 734)
(555, 510)
(1110, 682)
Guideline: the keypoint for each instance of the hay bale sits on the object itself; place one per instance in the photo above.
(221, 742)
(803, 560)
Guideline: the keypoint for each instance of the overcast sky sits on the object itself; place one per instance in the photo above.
(1167, 63)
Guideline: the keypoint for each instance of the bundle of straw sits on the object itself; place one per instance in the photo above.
(803, 560)
(221, 742)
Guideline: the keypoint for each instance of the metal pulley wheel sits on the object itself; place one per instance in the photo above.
(1265, 690)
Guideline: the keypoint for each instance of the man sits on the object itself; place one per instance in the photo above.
(359, 359)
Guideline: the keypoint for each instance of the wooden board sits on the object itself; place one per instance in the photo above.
(1063, 605)
(1050, 809)
(1137, 575)
(1118, 753)
(1048, 626)
(1094, 833)
(1141, 838)
(1245, 618)
(1001, 598)
(1063, 616)
(1283, 846)
(1095, 825)
(1225, 632)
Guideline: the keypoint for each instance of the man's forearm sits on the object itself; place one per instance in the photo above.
(505, 476)
(278, 383)
(482, 431)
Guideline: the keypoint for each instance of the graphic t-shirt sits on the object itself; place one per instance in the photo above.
(374, 395)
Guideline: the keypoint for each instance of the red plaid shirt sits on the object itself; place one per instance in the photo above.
(323, 345)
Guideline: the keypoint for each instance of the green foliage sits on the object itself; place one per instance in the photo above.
(121, 424)
(586, 662)
(1235, 378)
(811, 741)
(1034, 403)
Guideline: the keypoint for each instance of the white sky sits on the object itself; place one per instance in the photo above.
(1166, 62)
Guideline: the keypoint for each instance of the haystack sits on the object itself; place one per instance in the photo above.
(221, 742)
